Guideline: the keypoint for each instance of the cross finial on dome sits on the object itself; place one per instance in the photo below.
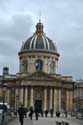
(40, 15)
(39, 20)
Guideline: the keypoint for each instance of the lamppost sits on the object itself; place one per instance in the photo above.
(4, 87)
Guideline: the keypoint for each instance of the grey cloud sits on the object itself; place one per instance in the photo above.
(63, 22)
(71, 65)
(21, 26)
(17, 27)
(12, 32)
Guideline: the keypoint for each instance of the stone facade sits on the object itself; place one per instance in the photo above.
(51, 92)
(30, 58)
(38, 83)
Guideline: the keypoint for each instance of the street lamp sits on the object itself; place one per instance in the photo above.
(4, 87)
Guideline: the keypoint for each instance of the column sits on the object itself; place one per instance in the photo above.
(20, 66)
(60, 100)
(21, 95)
(45, 99)
(26, 96)
(55, 100)
(67, 100)
(56, 66)
(71, 101)
(8, 96)
(16, 98)
(51, 99)
(31, 97)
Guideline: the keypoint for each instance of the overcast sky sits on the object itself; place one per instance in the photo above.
(63, 23)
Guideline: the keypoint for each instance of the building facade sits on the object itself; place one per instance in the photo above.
(38, 83)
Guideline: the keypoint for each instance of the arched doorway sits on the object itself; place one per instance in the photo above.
(38, 105)
(38, 99)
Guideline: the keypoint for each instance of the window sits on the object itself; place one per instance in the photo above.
(25, 66)
(39, 64)
(52, 67)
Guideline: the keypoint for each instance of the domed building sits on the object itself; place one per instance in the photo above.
(38, 53)
(38, 83)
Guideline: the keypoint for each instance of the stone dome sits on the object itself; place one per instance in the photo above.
(39, 41)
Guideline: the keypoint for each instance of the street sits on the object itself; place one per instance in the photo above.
(47, 121)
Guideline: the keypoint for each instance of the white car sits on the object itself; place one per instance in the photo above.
(4, 106)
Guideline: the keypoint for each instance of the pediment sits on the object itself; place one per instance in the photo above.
(40, 76)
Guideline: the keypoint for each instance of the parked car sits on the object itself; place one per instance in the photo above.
(4, 107)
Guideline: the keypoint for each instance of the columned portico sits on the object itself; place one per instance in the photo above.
(45, 98)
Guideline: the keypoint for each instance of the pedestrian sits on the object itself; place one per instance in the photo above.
(21, 113)
(31, 113)
(66, 114)
(26, 110)
(42, 113)
(58, 114)
(46, 113)
(51, 112)
(36, 114)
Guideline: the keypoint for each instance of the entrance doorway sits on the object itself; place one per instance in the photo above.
(38, 105)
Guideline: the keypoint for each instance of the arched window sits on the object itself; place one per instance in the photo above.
(25, 66)
(39, 64)
(52, 67)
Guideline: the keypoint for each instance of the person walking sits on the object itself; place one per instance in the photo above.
(66, 114)
(51, 112)
(21, 113)
(46, 113)
(31, 113)
(36, 114)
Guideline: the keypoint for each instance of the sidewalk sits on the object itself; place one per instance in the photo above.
(7, 118)
(75, 120)
(46, 121)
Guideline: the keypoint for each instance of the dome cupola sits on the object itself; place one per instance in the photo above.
(38, 53)
(39, 41)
